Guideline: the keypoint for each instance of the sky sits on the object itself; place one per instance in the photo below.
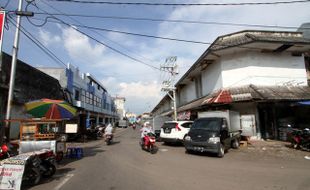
(129, 70)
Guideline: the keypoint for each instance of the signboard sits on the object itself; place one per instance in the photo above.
(71, 128)
(186, 115)
(11, 172)
(2, 16)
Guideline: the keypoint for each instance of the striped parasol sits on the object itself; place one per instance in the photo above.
(50, 109)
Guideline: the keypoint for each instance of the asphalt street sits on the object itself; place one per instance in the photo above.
(123, 165)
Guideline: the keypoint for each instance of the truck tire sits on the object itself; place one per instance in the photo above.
(221, 151)
(235, 144)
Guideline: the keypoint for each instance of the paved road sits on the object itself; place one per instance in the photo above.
(124, 165)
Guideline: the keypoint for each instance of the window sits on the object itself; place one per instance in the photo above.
(187, 125)
(77, 95)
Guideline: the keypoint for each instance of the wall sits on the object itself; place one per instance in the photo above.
(263, 69)
(187, 93)
(211, 78)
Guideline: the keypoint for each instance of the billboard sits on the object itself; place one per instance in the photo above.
(2, 16)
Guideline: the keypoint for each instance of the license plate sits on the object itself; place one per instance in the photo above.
(167, 130)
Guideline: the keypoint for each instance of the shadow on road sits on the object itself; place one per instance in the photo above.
(92, 151)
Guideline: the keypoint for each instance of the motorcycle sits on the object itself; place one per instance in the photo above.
(47, 164)
(4, 152)
(300, 139)
(99, 131)
(32, 174)
(108, 139)
(148, 143)
(133, 126)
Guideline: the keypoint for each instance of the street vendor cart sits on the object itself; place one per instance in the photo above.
(38, 134)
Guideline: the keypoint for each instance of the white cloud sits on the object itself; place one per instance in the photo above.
(47, 38)
(79, 46)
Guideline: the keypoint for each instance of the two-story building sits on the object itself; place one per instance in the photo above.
(260, 74)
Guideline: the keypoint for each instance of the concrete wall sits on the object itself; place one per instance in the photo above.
(263, 69)
(187, 93)
(211, 78)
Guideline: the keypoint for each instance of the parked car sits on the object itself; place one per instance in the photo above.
(174, 131)
(214, 132)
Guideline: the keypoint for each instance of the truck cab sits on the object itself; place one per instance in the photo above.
(212, 134)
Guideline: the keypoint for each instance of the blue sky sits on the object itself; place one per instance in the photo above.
(122, 76)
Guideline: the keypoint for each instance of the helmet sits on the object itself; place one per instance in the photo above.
(146, 124)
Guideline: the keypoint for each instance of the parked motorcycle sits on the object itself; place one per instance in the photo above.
(4, 152)
(108, 139)
(32, 174)
(47, 164)
(148, 143)
(300, 139)
(100, 130)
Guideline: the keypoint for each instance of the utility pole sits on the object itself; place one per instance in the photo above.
(170, 67)
(19, 13)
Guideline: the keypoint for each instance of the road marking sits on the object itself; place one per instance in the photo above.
(163, 150)
(67, 177)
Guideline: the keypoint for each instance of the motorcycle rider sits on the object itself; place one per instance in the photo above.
(145, 130)
(108, 130)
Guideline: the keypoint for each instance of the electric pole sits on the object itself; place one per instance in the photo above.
(19, 14)
(170, 67)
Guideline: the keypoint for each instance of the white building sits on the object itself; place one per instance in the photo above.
(120, 106)
(261, 74)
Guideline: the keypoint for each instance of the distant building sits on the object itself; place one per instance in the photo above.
(120, 106)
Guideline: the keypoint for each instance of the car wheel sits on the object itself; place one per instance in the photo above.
(187, 151)
(221, 151)
(236, 144)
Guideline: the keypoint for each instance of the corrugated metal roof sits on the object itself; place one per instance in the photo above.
(245, 37)
(252, 93)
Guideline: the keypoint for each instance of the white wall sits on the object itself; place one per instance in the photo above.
(211, 78)
(262, 69)
(187, 93)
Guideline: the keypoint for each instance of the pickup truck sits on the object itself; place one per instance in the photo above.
(215, 132)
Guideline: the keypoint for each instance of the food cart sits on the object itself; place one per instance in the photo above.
(38, 134)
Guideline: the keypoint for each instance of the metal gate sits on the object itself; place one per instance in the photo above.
(248, 125)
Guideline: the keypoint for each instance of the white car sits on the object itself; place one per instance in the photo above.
(174, 131)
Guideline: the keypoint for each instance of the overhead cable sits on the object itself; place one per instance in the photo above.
(95, 31)
(96, 40)
(181, 4)
(171, 20)
(39, 44)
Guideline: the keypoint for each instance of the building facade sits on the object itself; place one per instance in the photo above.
(120, 106)
(30, 84)
(260, 74)
(95, 105)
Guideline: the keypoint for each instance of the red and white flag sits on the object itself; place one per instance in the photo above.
(2, 16)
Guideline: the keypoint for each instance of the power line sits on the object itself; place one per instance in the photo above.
(181, 4)
(39, 44)
(135, 34)
(94, 31)
(149, 36)
(96, 40)
(171, 20)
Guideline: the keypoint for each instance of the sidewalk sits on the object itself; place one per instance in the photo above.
(273, 148)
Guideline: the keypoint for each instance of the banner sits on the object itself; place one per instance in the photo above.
(2, 17)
